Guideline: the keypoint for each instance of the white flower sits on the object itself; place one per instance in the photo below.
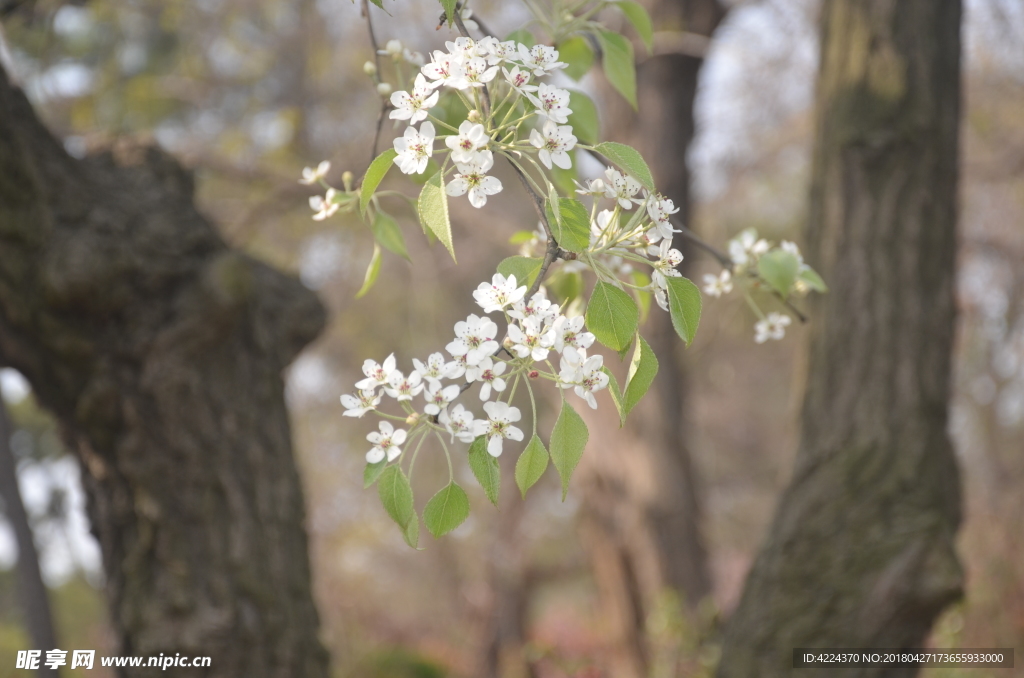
(311, 176)
(541, 59)
(474, 339)
(661, 210)
(415, 148)
(413, 107)
(499, 293)
(746, 248)
(475, 73)
(594, 187)
(498, 426)
(489, 374)
(467, 22)
(772, 327)
(532, 340)
(554, 143)
(376, 375)
(385, 443)
(459, 422)
(434, 370)
(552, 103)
(519, 80)
(472, 177)
(438, 398)
(414, 58)
(600, 225)
(792, 248)
(466, 146)
(717, 285)
(621, 187)
(457, 367)
(324, 206)
(569, 334)
(401, 387)
(443, 69)
(538, 307)
(582, 373)
(668, 259)
(357, 407)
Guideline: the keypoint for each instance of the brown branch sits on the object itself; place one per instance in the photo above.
(385, 104)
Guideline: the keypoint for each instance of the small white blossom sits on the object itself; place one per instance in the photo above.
(474, 339)
(554, 143)
(414, 106)
(438, 398)
(489, 374)
(792, 248)
(621, 187)
(311, 176)
(414, 58)
(401, 387)
(358, 406)
(475, 73)
(569, 333)
(519, 80)
(467, 21)
(376, 375)
(324, 206)
(443, 69)
(746, 247)
(415, 148)
(552, 103)
(499, 293)
(594, 187)
(434, 370)
(661, 209)
(772, 327)
(385, 443)
(668, 259)
(583, 374)
(717, 285)
(538, 307)
(498, 426)
(541, 59)
(459, 422)
(471, 140)
(472, 178)
(531, 340)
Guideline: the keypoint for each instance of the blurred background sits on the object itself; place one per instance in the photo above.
(248, 92)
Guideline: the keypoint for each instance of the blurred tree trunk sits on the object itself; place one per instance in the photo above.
(641, 519)
(159, 350)
(861, 550)
(35, 600)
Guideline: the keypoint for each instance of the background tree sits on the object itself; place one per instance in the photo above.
(861, 551)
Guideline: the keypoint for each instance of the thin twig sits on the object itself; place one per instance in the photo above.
(385, 104)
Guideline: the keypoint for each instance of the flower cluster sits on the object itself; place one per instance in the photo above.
(535, 328)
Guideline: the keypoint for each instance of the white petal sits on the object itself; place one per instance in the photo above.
(374, 456)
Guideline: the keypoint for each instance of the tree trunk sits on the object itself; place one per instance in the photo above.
(35, 600)
(861, 550)
(159, 350)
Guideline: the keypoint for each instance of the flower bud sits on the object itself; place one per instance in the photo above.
(394, 48)
(384, 89)
(346, 179)
(474, 116)
(370, 68)
(412, 419)
(533, 374)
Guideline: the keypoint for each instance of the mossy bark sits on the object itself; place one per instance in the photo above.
(861, 550)
(160, 351)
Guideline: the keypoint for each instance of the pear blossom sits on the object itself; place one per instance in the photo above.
(621, 187)
(472, 177)
(661, 209)
(415, 148)
(443, 69)
(601, 224)
(519, 80)
(502, 51)
(594, 187)
(311, 176)
(475, 73)
(470, 141)
(376, 374)
(324, 206)
(438, 398)
(474, 339)
(583, 374)
(539, 307)
(772, 327)
(668, 259)
(413, 107)
(401, 387)
(792, 248)
(459, 422)
(746, 247)
(569, 334)
(554, 143)
(385, 443)
(552, 103)
(488, 372)
(717, 285)
(458, 365)
(531, 340)
(358, 406)
(499, 293)
(498, 426)
(467, 21)
(541, 59)
(434, 369)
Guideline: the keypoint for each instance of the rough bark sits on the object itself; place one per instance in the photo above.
(159, 350)
(861, 550)
(35, 600)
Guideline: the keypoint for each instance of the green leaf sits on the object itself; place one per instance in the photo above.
(813, 280)
(641, 21)
(388, 234)
(486, 468)
(570, 224)
(779, 269)
(684, 305)
(379, 3)
(628, 159)
(396, 495)
(372, 271)
(566, 286)
(531, 465)
(612, 316)
(521, 237)
(641, 374)
(525, 269)
(372, 472)
(618, 64)
(449, 9)
(568, 439)
(578, 55)
(375, 174)
(433, 210)
(584, 120)
(522, 35)
(446, 510)
(643, 297)
(411, 533)
(616, 393)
